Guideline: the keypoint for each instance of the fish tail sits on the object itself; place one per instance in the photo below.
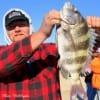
(77, 91)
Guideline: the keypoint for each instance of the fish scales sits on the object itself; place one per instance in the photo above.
(72, 39)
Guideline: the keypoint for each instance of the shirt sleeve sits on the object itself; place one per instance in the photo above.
(44, 50)
(95, 65)
(14, 54)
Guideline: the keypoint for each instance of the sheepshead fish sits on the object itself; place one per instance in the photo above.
(73, 43)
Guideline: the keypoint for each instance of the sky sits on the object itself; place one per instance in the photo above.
(38, 8)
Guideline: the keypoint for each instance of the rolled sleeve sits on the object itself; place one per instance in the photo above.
(95, 65)
(44, 52)
(13, 55)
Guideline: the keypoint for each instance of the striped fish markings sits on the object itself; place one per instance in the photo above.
(73, 40)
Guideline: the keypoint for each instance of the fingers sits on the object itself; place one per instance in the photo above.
(97, 22)
(88, 19)
(93, 21)
(53, 17)
(50, 19)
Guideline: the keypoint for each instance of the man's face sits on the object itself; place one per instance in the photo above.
(17, 30)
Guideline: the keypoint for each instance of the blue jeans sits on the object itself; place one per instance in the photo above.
(90, 91)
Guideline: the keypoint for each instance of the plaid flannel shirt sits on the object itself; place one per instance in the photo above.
(27, 75)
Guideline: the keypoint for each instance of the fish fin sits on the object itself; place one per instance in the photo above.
(64, 73)
(86, 69)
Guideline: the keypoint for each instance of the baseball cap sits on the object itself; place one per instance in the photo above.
(13, 16)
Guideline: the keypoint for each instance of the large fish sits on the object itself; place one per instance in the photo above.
(74, 47)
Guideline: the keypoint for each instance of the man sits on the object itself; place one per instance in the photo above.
(26, 74)
(31, 72)
(95, 66)
(94, 22)
(95, 62)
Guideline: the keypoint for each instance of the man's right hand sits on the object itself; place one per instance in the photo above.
(50, 19)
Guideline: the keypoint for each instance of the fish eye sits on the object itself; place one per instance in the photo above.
(76, 11)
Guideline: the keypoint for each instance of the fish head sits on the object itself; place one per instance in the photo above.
(70, 15)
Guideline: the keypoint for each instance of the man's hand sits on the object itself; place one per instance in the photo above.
(94, 22)
(50, 19)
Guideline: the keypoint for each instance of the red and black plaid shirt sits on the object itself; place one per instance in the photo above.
(27, 75)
